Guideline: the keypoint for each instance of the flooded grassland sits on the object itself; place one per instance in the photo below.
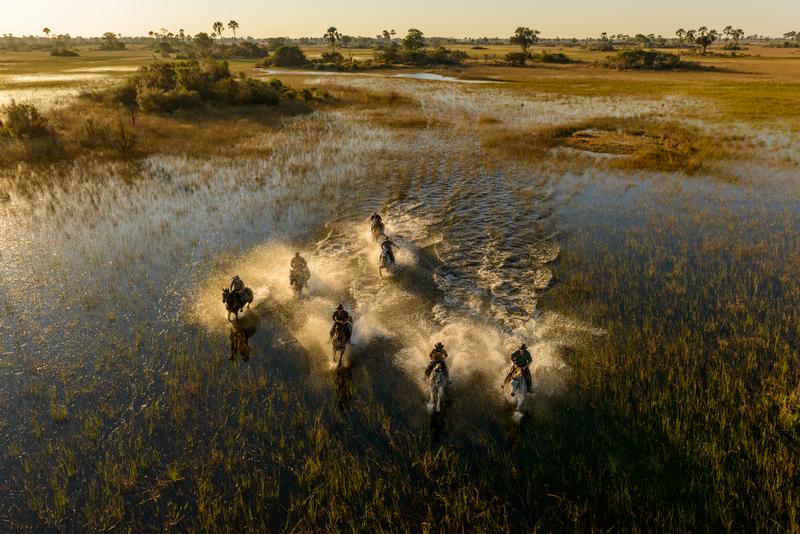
(643, 248)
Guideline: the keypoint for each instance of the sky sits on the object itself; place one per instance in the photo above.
(473, 18)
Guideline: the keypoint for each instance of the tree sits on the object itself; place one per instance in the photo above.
(642, 39)
(233, 25)
(414, 40)
(203, 43)
(332, 36)
(46, 31)
(691, 36)
(705, 37)
(218, 27)
(387, 35)
(111, 42)
(681, 35)
(524, 37)
(727, 32)
(181, 35)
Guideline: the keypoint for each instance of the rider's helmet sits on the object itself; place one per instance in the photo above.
(297, 254)
(236, 277)
(339, 307)
(523, 347)
(439, 346)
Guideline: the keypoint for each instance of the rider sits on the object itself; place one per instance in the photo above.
(438, 356)
(522, 361)
(236, 284)
(375, 219)
(386, 247)
(299, 264)
(340, 316)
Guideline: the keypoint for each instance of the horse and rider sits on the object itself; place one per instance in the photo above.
(236, 296)
(387, 259)
(299, 274)
(376, 226)
(341, 331)
(342, 320)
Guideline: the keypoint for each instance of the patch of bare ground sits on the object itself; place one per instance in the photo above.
(640, 143)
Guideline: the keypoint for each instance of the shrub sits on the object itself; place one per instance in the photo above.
(63, 52)
(287, 56)
(226, 90)
(253, 91)
(644, 60)
(158, 101)
(124, 140)
(517, 59)
(22, 121)
(332, 57)
(557, 57)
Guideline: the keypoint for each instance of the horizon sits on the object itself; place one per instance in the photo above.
(356, 18)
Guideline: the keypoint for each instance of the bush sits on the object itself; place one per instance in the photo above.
(241, 50)
(557, 57)
(22, 121)
(643, 60)
(287, 56)
(517, 59)
(253, 91)
(158, 101)
(332, 57)
(63, 52)
(430, 56)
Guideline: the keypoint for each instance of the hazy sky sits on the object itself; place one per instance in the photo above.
(295, 18)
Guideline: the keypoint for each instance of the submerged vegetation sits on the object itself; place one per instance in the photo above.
(636, 143)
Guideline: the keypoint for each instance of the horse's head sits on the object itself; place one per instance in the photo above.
(225, 294)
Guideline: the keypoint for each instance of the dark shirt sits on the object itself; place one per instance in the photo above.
(341, 315)
(521, 358)
(438, 355)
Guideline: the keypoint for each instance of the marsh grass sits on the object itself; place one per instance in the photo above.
(640, 143)
(682, 417)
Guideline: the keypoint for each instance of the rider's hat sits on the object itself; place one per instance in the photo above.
(439, 345)
(523, 347)
(339, 307)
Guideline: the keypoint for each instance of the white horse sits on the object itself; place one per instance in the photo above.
(377, 230)
(438, 383)
(519, 388)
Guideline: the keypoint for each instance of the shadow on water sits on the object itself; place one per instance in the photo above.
(241, 332)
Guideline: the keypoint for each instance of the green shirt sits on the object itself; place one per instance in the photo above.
(521, 358)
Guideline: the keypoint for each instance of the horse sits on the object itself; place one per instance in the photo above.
(438, 383)
(519, 386)
(339, 342)
(385, 263)
(377, 230)
(235, 302)
(298, 279)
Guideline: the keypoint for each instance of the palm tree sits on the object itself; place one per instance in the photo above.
(218, 27)
(233, 25)
(46, 31)
(332, 35)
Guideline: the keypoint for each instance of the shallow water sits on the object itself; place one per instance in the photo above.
(426, 76)
(131, 261)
